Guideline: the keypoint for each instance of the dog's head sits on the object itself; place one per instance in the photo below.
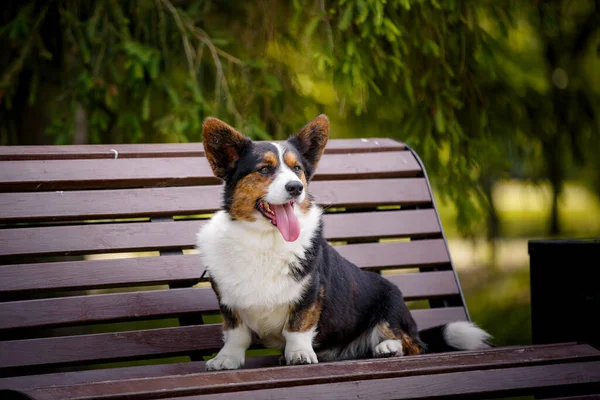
(266, 181)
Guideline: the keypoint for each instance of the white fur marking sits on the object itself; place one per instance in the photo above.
(233, 353)
(388, 348)
(298, 347)
(250, 262)
(465, 335)
(277, 193)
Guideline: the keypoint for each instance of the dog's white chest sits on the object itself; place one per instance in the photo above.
(253, 270)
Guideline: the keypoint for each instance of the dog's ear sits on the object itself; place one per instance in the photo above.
(311, 141)
(223, 146)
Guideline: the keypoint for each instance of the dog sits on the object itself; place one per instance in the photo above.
(274, 274)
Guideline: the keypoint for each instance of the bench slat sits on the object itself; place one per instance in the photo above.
(107, 204)
(170, 149)
(148, 343)
(100, 238)
(505, 356)
(464, 384)
(181, 171)
(358, 370)
(94, 274)
(159, 303)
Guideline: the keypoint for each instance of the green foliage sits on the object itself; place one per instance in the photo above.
(480, 89)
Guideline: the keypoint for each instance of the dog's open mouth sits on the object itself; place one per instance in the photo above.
(282, 217)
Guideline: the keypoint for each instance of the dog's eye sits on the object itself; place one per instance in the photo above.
(265, 170)
(297, 168)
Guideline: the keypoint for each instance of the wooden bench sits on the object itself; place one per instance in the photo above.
(73, 325)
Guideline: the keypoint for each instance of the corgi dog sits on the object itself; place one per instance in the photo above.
(274, 274)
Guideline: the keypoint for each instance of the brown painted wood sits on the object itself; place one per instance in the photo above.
(357, 370)
(94, 274)
(517, 356)
(98, 238)
(148, 343)
(507, 381)
(121, 373)
(181, 171)
(13, 153)
(373, 225)
(174, 302)
(186, 269)
(418, 253)
(128, 203)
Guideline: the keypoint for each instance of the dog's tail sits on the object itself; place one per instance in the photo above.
(455, 336)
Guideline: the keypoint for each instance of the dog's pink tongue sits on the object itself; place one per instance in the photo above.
(287, 222)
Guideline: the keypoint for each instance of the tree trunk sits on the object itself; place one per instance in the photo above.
(493, 221)
(80, 135)
(555, 174)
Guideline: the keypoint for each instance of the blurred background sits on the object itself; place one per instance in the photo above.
(500, 99)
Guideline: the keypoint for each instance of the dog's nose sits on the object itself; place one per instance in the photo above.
(294, 188)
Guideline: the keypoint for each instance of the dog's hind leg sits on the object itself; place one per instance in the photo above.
(389, 342)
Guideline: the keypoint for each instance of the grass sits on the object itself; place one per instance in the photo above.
(498, 294)
(524, 211)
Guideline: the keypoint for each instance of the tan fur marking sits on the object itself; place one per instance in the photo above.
(271, 159)
(386, 331)
(231, 321)
(409, 346)
(247, 191)
(290, 159)
(305, 319)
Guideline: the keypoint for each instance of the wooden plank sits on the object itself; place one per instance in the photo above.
(302, 376)
(507, 381)
(99, 238)
(95, 274)
(373, 225)
(174, 302)
(153, 150)
(128, 203)
(120, 373)
(516, 356)
(181, 171)
(148, 343)
(418, 253)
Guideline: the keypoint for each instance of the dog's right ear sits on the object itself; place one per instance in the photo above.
(223, 146)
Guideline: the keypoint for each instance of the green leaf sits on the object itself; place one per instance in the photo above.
(389, 25)
(363, 11)
(374, 87)
(440, 123)
(146, 106)
(405, 4)
(408, 87)
(273, 82)
(346, 17)
(312, 25)
(33, 89)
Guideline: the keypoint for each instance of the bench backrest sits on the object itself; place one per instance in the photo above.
(61, 207)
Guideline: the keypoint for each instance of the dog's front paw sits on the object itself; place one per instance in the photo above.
(301, 357)
(388, 348)
(221, 362)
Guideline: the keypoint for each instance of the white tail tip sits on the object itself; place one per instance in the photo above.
(465, 335)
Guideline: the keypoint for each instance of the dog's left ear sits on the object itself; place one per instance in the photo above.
(223, 146)
(311, 141)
